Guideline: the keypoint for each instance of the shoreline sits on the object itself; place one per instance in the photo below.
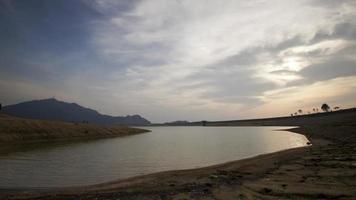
(139, 182)
(245, 179)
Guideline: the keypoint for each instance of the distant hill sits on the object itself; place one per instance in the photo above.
(52, 109)
(177, 123)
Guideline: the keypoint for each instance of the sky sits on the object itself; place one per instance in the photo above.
(178, 59)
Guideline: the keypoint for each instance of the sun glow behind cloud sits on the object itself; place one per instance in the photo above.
(186, 38)
(309, 96)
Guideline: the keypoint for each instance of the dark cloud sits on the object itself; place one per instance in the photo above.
(232, 79)
(330, 4)
(345, 31)
(111, 7)
(333, 68)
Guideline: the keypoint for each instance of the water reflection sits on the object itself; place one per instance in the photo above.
(10, 149)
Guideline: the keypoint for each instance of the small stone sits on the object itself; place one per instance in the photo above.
(208, 185)
(206, 190)
(267, 190)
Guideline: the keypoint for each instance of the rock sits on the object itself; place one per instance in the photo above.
(267, 190)
(208, 185)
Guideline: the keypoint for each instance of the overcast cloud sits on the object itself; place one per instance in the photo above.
(188, 60)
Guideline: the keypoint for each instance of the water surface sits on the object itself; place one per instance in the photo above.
(165, 148)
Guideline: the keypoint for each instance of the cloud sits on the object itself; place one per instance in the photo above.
(214, 55)
(309, 96)
(206, 59)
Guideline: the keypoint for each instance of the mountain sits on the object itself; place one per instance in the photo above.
(52, 109)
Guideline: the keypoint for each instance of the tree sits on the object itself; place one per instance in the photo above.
(0, 106)
(300, 111)
(336, 108)
(325, 107)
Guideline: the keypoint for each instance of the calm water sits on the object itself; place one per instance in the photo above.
(165, 148)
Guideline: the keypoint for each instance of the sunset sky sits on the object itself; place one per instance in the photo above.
(178, 59)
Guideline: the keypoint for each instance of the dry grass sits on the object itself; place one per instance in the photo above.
(14, 129)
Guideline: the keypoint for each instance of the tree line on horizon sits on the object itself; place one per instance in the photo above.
(324, 107)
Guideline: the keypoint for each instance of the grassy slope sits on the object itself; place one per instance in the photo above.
(14, 129)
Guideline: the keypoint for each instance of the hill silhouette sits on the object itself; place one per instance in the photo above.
(52, 109)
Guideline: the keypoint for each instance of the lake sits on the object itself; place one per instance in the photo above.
(165, 148)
